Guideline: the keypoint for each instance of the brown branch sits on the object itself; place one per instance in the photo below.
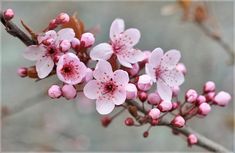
(202, 140)
(13, 30)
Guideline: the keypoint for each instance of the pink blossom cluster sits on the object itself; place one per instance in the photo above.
(120, 75)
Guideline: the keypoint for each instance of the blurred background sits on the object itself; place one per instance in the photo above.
(31, 121)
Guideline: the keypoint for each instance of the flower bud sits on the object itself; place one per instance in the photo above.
(222, 98)
(154, 122)
(8, 14)
(210, 96)
(209, 87)
(181, 68)
(154, 113)
(175, 105)
(65, 45)
(88, 39)
(175, 91)
(89, 75)
(192, 139)
(142, 96)
(52, 25)
(134, 70)
(131, 91)
(191, 95)
(165, 106)
(145, 134)
(22, 72)
(200, 99)
(129, 121)
(204, 109)
(62, 18)
(144, 82)
(69, 92)
(75, 43)
(105, 121)
(154, 98)
(178, 121)
(54, 91)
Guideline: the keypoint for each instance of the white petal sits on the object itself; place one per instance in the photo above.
(130, 37)
(121, 77)
(155, 57)
(101, 51)
(172, 77)
(170, 59)
(34, 52)
(150, 71)
(65, 34)
(91, 89)
(104, 106)
(133, 55)
(124, 62)
(119, 96)
(49, 34)
(116, 28)
(163, 90)
(103, 71)
(44, 66)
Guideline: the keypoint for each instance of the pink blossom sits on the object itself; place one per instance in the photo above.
(144, 82)
(191, 95)
(62, 18)
(108, 87)
(44, 55)
(204, 109)
(209, 87)
(88, 39)
(154, 113)
(122, 43)
(131, 91)
(154, 98)
(222, 98)
(70, 69)
(165, 106)
(162, 69)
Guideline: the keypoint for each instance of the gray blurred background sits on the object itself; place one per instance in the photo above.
(36, 123)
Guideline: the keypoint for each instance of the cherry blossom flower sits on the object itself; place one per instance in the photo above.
(49, 47)
(108, 87)
(162, 69)
(70, 69)
(122, 43)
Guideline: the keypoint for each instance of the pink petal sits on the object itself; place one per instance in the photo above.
(49, 34)
(103, 71)
(44, 66)
(119, 96)
(172, 77)
(155, 57)
(130, 37)
(150, 71)
(101, 51)
(91, 89)
(124, 62)
(163, 90)
(65, 34)
(170, 59)
(104, 106)
(34, 52)
(133, 55)
(116, 28)
(121, 77)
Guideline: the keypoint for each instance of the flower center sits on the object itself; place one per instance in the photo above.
(109, 87)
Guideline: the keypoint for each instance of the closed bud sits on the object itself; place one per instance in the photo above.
(145, 134)
(105, 121)
(181, 68)
(142, 96)
(222, 98)
(69, 92)
(178, 121)
(129, 121)
(154, 113)
(165, 106)
(210, 96)
(8, 14)
(175, 105)
(62, 18)
(89, 75)
(134, 70)
(191, 95)
(65, 45)
(52, 24)
(22, 72)
(209, 87)
(144, 82)
(54, 91)
(131, 91)
(87, 39)
(200, 99)
(75, 43)
(154, 98)
(192, 139)
(204, 109)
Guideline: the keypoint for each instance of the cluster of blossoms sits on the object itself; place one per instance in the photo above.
(116, 79)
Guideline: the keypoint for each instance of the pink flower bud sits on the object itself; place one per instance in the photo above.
(134, 70)
(89, 75)
(142, 96)
(222, 98)
(144, 82)
(62, 18)
(88, 39)
(210, 96)
(178, 121)
(204, 109)
(192, 139)
(200, 99)
(165, 106)
(181, 67)
(65, 45)
(191, 95)
(52, 24)
(131, 91)
(129, 121)
(175, 91)
(22, 72)
(154, 113)
(209, 87)
(175, 105)
(154, 98)
(75, 43)
(69, 92)
(105, 121)
(54, 91)
(8, 14)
